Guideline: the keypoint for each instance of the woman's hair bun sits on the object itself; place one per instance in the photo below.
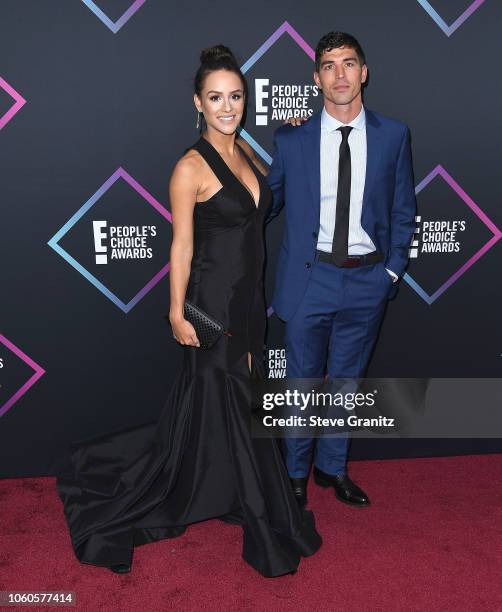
(212, 54)
(215, 58)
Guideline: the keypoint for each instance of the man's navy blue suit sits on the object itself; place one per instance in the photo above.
(333, 314)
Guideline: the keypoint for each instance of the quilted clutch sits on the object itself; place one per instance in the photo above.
(208, 330)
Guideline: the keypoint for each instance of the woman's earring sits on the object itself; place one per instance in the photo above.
(197, 125)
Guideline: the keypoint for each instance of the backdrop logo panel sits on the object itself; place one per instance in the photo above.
(19, 102)
(22, 372)
(276, 362)
(281, 86)
(449, 29)
(119, 242)
(114, 26)
(449, 237)
(118, 245)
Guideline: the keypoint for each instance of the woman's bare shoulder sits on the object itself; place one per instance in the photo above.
(191, 161)
(189, 166)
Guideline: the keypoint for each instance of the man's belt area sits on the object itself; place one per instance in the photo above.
(353, 261)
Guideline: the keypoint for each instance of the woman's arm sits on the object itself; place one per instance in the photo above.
(183, 189)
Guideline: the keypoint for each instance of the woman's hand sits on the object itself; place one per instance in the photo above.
(296, 121)
(184, 332)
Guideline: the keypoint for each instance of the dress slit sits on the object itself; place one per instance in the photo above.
(199, 459)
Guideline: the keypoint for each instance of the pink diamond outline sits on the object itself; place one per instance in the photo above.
(39, 372)
(19, 102)
(449, 29)
(120, 173)
(284, 28)
(482, 216)
(114, 26)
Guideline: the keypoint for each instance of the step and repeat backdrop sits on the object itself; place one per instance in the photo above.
(95, 109)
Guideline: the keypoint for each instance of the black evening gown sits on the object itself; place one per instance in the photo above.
(199, 460)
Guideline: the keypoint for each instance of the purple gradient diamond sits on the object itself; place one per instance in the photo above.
(284, 28)
(29, 383)
(19, 101)
(497, 234)
(120, 173)
(449, 29)
(114, 26)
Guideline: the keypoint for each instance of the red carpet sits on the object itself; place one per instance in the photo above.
(432, 540)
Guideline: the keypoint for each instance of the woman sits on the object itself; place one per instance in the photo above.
(200, 461)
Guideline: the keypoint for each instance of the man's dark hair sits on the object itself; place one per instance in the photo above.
(334, 40)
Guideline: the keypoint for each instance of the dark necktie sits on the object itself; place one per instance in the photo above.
(340, 246)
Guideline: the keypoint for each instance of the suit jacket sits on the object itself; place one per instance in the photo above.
(388, 211)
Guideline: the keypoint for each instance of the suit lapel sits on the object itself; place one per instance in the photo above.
(311, 147)
(373, 157)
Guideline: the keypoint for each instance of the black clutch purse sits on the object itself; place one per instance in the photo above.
(208, 330)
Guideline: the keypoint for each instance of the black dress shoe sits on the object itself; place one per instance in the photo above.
(345, 490)
(299, 486)
(121, 568)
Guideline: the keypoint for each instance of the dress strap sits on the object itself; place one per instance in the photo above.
(213, 160)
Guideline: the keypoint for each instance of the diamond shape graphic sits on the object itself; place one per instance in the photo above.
(114, 26)
(449, 29)
(19, 101)
(497, 234)
(285, 28)
(120, 173)
(39, 372)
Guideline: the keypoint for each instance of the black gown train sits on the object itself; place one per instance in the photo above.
(199, 460)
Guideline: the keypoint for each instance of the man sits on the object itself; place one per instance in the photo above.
(345, 177)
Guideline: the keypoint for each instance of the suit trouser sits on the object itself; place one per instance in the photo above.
(333, 332)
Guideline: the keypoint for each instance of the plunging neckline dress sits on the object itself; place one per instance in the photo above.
(199, 460)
